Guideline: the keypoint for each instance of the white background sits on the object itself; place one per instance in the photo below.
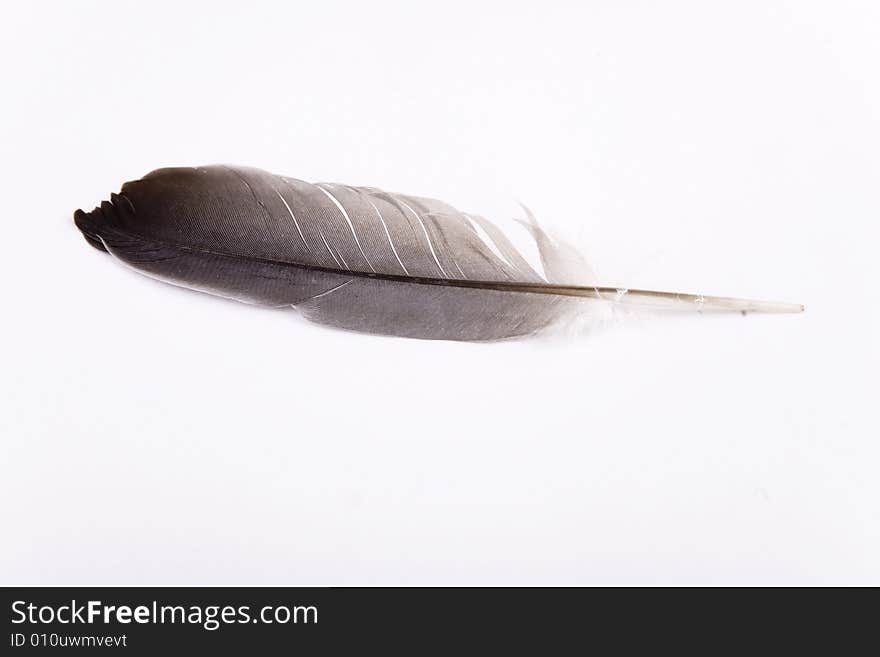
(156, 436)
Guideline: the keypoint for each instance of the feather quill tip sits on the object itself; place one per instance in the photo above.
(698, 302)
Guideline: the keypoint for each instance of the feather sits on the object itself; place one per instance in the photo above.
(356, 258)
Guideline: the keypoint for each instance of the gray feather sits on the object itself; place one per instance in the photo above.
(355, 258)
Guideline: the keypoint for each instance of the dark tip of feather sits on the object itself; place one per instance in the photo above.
(114, 212)
(87, 224)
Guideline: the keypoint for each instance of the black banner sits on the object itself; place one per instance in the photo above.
(325, 620)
